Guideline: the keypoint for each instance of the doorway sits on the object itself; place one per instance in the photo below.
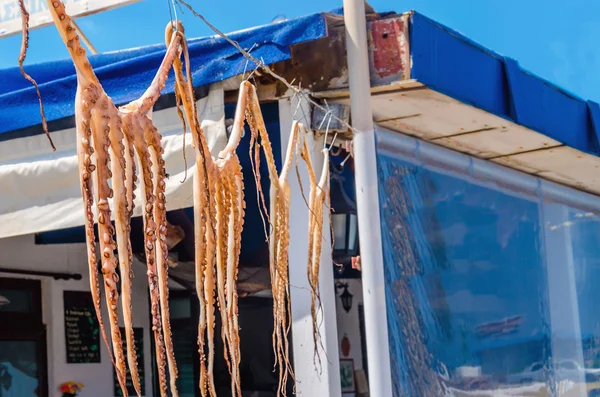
(257, 357)
(23, 364)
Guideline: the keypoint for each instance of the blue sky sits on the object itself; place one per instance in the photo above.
(554, 39)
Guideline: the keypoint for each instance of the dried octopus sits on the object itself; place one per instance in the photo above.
(279, 243)
(218, 222)
(108, 140)
(209, 182)
(112, 139)
(278, 215)
(319, 193)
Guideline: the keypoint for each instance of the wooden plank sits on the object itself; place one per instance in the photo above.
(432, 116)
(497, 142)
(344, 93)
(563, 165)
(322, 65)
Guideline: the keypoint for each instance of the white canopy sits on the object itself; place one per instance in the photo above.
(39, 189)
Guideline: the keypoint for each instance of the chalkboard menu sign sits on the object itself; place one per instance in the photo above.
(138, 337)
(82, 332)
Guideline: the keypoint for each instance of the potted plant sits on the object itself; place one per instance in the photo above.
(70, 389)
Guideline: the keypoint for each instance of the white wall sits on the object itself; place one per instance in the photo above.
(21, 252)
(349, 323)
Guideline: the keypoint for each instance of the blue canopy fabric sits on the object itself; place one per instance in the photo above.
(442, 59)
(454, 65)
(125, 75)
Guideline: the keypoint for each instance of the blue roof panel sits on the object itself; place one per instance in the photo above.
(454, 65)
(125, 75)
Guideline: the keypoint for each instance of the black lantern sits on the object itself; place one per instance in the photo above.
(343, 218)
(345, 296)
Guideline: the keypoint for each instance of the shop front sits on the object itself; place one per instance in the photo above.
(471, 272)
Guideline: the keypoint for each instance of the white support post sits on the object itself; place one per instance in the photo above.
(311, 381)
(367, 200)
(562, 296)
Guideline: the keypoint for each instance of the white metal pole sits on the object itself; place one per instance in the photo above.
(367, 199)
(562, 293)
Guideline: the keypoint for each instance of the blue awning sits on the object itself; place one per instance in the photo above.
(454, 65)
(125, 75)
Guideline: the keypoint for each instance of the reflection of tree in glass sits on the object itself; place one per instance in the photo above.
(21, 356)
(437, 244)
(402, 248)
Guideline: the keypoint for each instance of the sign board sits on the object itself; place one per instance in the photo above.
(10, 13)
(82, 331)
(138, 337)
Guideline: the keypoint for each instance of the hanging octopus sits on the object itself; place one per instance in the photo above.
(319, 193)
(218, 222)
(108, 142)
(278, 215)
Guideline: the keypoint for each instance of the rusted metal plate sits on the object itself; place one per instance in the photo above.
(389, 52)
(323, 120)
(322, 65)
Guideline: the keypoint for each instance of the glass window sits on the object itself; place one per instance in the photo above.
(582, 232)
(19, 374)
(466, 285)
(339, 230)
(536, 367)
(16, 301)
(180, 308)
(185, 346)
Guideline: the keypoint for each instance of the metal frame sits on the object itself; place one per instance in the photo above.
(486, 173)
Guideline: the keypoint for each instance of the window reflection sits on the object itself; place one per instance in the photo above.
(18, 368)
(14, 300)
(466, 286)
(583, 228)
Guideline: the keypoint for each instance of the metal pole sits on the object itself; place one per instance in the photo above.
(367, 199)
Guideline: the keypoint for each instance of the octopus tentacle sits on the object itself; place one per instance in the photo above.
(234, 179)
(205, 215)
(222, 204)
(209, 286)
(68, 33)
(130, 168)
(278, 234)
(200, 270)
(123, 189)
(318, 194)
(22, 55)
(100, 139)
(148, 199)
(83, 102)
(151, 95)
(153, 138)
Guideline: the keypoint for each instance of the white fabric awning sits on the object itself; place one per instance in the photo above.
(39, 189)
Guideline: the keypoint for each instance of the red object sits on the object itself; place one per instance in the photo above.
(390, 48)
(345, 346)
(356, 263)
